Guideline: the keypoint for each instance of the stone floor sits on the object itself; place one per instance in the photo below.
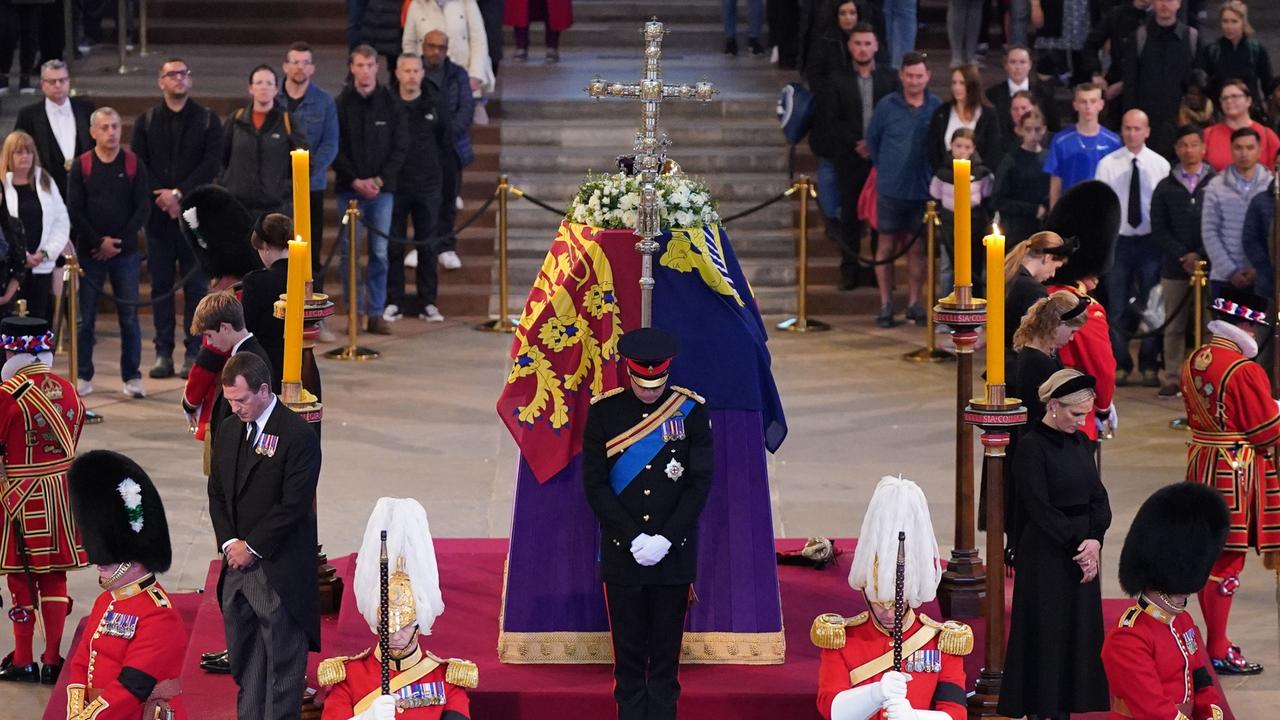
(419, 422)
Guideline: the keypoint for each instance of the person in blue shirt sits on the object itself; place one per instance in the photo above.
(1074, 153)
(898, 141)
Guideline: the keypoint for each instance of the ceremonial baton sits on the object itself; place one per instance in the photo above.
(384, 637)
(899, 604)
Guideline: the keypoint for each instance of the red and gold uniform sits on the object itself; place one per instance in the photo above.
(857, 650)
(1234, 422)
(1156, 667)
(1089, 351)
(132, 658)
(425, 686)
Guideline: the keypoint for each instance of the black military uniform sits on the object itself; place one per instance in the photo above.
(646, 469)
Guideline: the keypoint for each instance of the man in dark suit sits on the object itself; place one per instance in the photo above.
(266, 463)
(647, 462)
(59, 123)
(1018, 76)
(845, 101)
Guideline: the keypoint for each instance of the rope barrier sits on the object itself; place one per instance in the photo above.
(102, 293)
(404, 240)
(757, 208)
(545, 206)
(1169, 317)
(865, 262)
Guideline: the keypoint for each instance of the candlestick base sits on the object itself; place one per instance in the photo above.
(803, 325)
(986, 695)
(963, 591)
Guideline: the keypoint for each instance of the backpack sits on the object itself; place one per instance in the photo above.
(1193, 39)
(796, 108)
(288, 124)
(130, 164)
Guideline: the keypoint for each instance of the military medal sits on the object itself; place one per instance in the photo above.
(673, 429)
(674, 470)
(119, 625)
(925, 661)
(420, 695)
(267, 445)
(1189, 639)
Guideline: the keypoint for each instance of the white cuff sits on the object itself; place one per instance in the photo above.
(857, 703)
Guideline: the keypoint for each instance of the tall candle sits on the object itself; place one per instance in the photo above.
(293, 311)
(302, 201)
(963, 234)
(995, 306)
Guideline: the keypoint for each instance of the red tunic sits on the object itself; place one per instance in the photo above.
(1233, 420)
(133, 656)
(418, 681)
(40, 421)
(937, 678)
(1090, 352)
(203, 386)
(1156, 668)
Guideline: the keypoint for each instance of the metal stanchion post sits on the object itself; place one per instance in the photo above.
(930, 352)
(1199, 279)
(802, 322)
(68, 31)
(142, 28)
(352, 351)
(71, 278)
(502, 323)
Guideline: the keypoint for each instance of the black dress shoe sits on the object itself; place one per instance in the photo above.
(205, 657)
(21, 673)
(1235, 664)
(731, 47)
(755, 47)
(162, 369)
(217, 666)
(49, 673)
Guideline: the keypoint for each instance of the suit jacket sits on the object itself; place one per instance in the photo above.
(269, 502)
(259, 291)
(654, 503)
(221, 410)
(1000, 98)
(837, 126)
(33, 121)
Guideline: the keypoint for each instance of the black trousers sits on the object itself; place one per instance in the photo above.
(450, 189)
(851, 174)
(419, 202)
(647, 622)
(19, 30)
(37, 290)
(169, 259)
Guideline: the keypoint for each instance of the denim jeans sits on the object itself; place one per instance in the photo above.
(963, 20)
(168, 252)
(900, 26)
(755, 18)
(828, 189)
(1135, 272)
(124, 271)
(355, 22)
(1019, 21)
(377, 213)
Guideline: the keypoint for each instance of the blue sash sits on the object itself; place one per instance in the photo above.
(640, 453)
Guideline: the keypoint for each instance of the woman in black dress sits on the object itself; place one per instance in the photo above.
(1027, 267)
(1053, 666)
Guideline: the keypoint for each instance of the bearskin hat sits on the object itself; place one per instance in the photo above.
(218, 227)
(1174, 540)
(1089, 212)
(118, 511)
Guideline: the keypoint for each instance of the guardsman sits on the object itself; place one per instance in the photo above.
(856, 679)
(40, 421)
(1153, 659)
(647, 463)
(1234, 426)
(423, 686)
(127, 664)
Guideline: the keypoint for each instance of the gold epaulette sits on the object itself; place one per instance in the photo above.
(827, 631)
(462, 673)
(954, 638)
(334, 670)
(1130, 616)
(688, 393)
(607, 393)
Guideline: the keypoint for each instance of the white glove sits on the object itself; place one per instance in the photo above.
(1113, 417)
(653, 551)
(893, 685)
(857, 703)
(382, 708)
(640, 541)
(900, 709)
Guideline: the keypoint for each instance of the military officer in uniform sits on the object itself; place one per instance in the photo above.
(1153, 664)
(40, 421)
(127, 664)
(423, 686)
(647, 463)
(1234, 426)
(856, 677)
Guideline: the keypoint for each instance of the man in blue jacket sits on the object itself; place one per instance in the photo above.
(453, 86)
(315, 111)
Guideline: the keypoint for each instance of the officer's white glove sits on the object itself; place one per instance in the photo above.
(640, 541)
(653, 551)
(865, 701)
(1113, 417)
(900, 709)
(383, 707)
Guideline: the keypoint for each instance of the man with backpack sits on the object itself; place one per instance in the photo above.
(180, 143)
(1158, 56)
(109, 199)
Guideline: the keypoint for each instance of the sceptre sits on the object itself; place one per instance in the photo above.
(384, 637)
(899, 604)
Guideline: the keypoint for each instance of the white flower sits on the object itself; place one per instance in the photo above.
(684, 219)
(629, 218)
(131, 493)
(193, 221)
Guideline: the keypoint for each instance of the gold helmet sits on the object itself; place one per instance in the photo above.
(413, 587)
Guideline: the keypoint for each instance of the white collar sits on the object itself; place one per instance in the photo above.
(21, 360)
(1226, 330)
(236, 348)
(261, 420)
(1015, 87)
(52, 107)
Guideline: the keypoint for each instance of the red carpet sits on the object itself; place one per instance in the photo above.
(472, 572)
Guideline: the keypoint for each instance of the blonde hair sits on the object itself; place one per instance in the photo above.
(1044, 317)
(215, 309)
(19, 140)
(1033, 246)
(1239, 8)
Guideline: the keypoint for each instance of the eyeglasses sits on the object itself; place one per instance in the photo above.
(299, 63)
(176, 74)
(55, 81)
(1233, 96)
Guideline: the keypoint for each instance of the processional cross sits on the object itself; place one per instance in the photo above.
(650, 146)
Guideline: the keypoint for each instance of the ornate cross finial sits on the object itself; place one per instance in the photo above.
(651, 144)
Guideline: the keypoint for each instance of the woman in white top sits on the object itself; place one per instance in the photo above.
(34, 202)
(462, 22)
(967, 108)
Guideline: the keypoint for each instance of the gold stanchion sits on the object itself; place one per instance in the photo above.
(802, 322)
(352, 351)
(71, 278)
(142, 29)
(503, 323)
(930, 352)
(1199, 280)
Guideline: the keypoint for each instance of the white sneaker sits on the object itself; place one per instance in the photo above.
(323, 333)
(458, 201)
(411, 259)
(449, 260)
(134, 389)
(431, 313)
(84, 387)
(391, 313)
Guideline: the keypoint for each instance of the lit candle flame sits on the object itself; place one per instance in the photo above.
(995, 229)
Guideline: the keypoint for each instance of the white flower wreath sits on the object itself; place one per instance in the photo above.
(613, 202)
(131, 493)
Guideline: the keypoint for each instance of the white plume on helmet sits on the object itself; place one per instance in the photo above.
(897, 505)
(410, 548)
